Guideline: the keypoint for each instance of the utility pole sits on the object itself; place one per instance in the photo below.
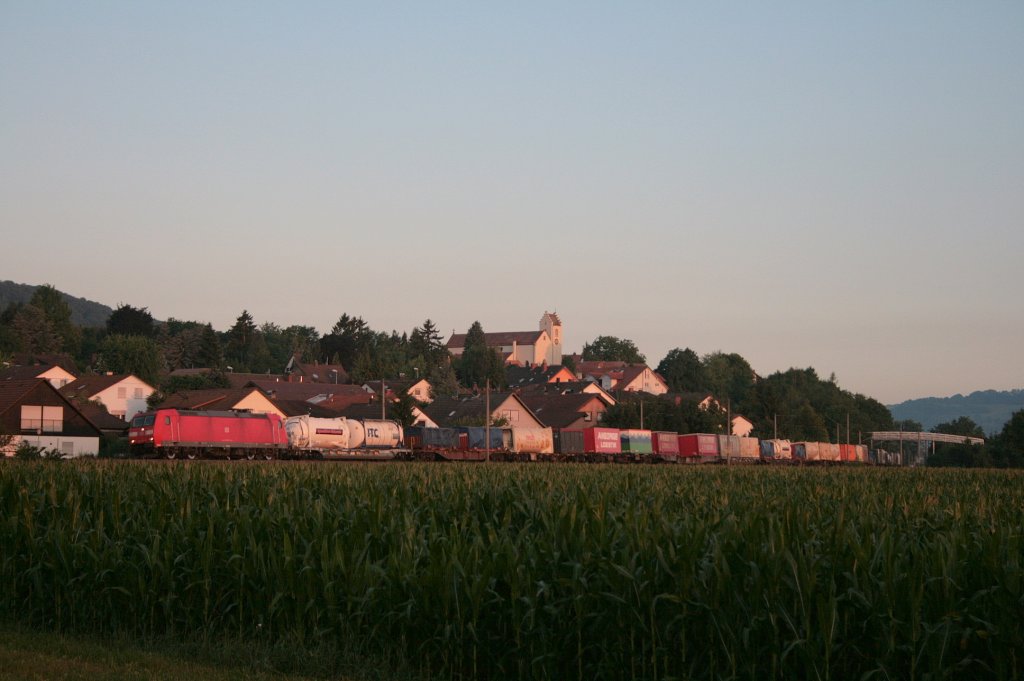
(487, 421)
(382, 397)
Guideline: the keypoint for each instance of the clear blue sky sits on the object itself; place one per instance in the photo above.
(836, 185)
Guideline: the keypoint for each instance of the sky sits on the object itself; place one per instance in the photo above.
(824, 184)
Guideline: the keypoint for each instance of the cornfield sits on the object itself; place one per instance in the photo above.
(535, 572)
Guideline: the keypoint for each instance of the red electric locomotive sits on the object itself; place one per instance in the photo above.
(174, 433)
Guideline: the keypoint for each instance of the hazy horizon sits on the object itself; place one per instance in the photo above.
(837, 187)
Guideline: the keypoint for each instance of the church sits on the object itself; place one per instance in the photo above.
(522, 348)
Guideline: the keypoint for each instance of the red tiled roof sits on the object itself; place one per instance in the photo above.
(560, 411)
(305, 390)
(458, 340)
(12, 390)
(207, 399)
(23, 373)
(87, 386)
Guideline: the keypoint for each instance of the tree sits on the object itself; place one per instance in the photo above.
(731, 377)
(683, 371)
(478, 362)
(347, 339)
(401, 409)
(960, 455)
(51, 302)
(240, 337)
(35, 332)
(612, 349)
(210, 353)
(426, 342)
(1008, 446)
(963, 425)
(443, 381)
(908, 426)
(131, 355)
(131, 321)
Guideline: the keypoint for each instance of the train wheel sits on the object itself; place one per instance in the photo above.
(191, 455)
(250, 455)
(170, 453)
(268, 455)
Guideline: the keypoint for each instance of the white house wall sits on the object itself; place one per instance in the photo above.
(116, 397)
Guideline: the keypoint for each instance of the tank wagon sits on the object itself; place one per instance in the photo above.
(342, 438)
(174, 433)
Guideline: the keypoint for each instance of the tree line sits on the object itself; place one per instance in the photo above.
(796, 403)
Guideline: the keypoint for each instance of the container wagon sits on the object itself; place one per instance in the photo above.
(700, 447)
(750, 449)
(433, 444)
(729, 447)
(525, 443)
(665, 446)
(776, 450)
(636, 444)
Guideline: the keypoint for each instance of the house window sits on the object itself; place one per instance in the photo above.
(67, 448)
(42, 419)
(588, 416)
(137, 393)
(122, 393)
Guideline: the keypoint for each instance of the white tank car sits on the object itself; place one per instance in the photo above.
(375, 434)
(307, 432)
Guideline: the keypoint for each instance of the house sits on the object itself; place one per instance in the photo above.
(309, 392)
(571, 410)
(522, 348)
(517, 376)
(418, 389)
(122, 395)
(222, 399)
(704, 400)
(57, 375)
(623, 377)
(569, 388)
(32, 410)
(458, 411)
(243, 399)
(741, 426)
(372, 411)
(299, 372)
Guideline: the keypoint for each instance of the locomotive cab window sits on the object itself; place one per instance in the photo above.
(149, 420)
(137, 421)
(167, 420)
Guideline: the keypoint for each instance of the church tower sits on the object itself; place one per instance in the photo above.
(553, 325)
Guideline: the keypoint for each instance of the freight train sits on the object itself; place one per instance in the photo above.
(178, 433)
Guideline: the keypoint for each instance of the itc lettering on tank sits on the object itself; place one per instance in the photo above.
(375, 434)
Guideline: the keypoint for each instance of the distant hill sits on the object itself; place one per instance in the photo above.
(83, 312)
(990, 409)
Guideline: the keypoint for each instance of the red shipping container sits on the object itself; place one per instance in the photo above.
(698, 444)
(601, 441)
(665, 443)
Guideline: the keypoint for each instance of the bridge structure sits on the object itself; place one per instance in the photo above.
(918, 443)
